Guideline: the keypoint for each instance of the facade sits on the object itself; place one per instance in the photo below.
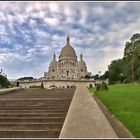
(67, 67)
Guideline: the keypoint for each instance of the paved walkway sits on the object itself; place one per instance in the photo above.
(85, 119)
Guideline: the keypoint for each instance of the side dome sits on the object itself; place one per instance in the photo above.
(53, 63)
(67, 50)
(81, 62)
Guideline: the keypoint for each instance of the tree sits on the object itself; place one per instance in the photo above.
(87, 76)
(26, 78)
(96, 76)
(116, 71)
(105, 75)
(4, 83)
(132, 54)
(127, 69)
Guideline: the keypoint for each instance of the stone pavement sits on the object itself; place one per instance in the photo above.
(85, 119)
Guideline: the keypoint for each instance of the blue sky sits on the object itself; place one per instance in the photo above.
(30, 33)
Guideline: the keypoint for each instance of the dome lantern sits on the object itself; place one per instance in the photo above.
(54, 56)
(68, 41)
(81, 56)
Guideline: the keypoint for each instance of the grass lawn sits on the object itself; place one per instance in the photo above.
(123, 100)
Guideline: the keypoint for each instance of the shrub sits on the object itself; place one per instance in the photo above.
(34, 86)
(87, 76)
(90, 85)
(97, 87)
(102, 86)
(4, 83)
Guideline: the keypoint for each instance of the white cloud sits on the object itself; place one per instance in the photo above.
(52, 21)
(98, 30)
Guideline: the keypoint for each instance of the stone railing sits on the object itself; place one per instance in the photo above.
(9, 90)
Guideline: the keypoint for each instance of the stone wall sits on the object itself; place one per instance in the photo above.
(58, 83)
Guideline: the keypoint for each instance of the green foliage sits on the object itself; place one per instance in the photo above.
(90, 85)
(26, 78)
(87, 76)
(92, 90)
(102, 86)
(35, 86)
(127, 69)
(4, 83)
(96, 77)
(105, 76)
(117, 71)
(123, 101)
(98, 87)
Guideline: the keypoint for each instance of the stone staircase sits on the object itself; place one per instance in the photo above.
(34, 113)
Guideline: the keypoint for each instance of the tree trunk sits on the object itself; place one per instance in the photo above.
(133, 77)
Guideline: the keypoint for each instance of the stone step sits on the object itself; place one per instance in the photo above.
(55, 110)
(37, 120)
(29, 96)
(35, 99)
(31, 102)
(57, 106)
(29, 134)
(33, 114)
(31, 126)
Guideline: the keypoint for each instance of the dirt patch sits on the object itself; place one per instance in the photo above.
(118, 127)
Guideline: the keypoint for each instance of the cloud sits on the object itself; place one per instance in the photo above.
(30, 32)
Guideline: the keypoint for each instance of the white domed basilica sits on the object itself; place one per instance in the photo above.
(67, 67)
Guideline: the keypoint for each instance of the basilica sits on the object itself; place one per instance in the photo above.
(67, 67)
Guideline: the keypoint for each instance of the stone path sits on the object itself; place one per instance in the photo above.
(34, 113)
(85, 119)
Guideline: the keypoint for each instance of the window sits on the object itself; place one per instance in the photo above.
(82, 70)
(53, 70)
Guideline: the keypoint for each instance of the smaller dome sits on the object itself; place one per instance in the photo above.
(53, 63)
(81, 62)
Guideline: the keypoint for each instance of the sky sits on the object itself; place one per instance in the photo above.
(31, 32)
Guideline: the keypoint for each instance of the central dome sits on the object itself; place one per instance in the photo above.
(67, 50)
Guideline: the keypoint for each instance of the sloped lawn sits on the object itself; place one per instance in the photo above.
(123, 100)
